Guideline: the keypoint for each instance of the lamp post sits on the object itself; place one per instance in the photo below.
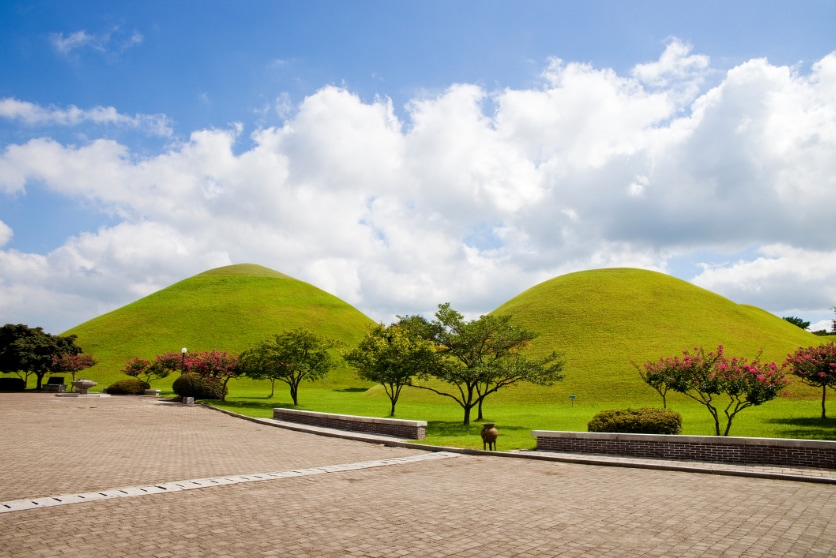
(183, 352)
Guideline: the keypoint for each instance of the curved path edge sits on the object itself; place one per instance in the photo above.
(822, 476)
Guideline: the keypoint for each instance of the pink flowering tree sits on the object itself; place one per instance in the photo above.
(717, 381)
(217, 366)
(72, 363)
(816, 366)
(163, 365)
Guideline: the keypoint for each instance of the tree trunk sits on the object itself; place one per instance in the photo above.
(823, 396)
(272, 388)
(467, 415)
(479, 410)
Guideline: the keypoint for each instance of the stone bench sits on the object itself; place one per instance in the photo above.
(712, 449)
(407, 429)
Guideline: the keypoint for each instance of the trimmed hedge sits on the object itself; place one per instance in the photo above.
(637, 421)
(12, 384)
(128, 386)
(195, 385)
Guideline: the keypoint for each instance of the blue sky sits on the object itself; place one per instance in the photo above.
(403, 154)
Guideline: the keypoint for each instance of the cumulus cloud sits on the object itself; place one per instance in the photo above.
(36, 115)
(473, 197)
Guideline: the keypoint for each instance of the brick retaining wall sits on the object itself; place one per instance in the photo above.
(408, 429)
(712, 449)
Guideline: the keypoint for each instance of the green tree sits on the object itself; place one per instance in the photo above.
(392, 356)
(816, 366)
(290, 357)
(797, 322)
(480, 357)
(32, 350)
(705, 376)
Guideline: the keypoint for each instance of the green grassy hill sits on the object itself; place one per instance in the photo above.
(228, 308)
(604, 319)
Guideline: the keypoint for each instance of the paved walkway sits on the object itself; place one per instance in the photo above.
(337, 497)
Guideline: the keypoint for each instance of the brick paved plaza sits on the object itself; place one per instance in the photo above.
(456, 505)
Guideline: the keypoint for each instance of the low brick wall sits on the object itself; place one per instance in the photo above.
(408, 429)
(712, 449)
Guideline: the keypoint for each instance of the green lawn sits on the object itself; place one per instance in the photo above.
(783, 418)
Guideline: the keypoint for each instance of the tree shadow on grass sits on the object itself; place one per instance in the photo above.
(352, 390)
(456, 428)
(251, 405)
(807, 427)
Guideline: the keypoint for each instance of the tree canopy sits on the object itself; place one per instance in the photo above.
(290, 357)
(482, 356)
(32, 350)
(703, 376)
(816, 366)
(392, 356)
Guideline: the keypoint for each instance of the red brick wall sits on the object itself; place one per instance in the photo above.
(761, 451)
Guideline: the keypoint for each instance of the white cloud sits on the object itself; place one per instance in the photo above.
(36, 115)
(6, 234)
(112, 41)
(475, 196)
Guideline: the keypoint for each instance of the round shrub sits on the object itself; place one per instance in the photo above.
(128, 386)
(195, 385)
(637, 421)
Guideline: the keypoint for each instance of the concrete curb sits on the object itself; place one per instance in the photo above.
(604, 461)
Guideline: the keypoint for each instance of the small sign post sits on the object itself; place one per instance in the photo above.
(572, 398)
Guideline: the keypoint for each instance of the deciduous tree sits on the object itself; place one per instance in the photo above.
(290, 357)
(704, 376)
(797, 322)
(480, 357)
(163, 365)
(32, 349)
(217, 366)
(72, 363)
(816, 366)
(392, 356)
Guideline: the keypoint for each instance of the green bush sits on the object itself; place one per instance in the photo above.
(12, 384)
(637, 421)
(195, 385)
(128, 386)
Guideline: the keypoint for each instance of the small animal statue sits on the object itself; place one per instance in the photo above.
(489, 434)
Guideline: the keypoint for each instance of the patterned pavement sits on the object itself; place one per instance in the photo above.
(338, 497)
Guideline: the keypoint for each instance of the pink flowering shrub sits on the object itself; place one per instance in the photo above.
(712, 378)
(215, 366)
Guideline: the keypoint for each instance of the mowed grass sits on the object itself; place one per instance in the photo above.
(227, 309)
(781, 418)
(601, 321)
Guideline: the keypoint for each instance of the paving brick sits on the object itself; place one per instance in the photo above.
(474, 505)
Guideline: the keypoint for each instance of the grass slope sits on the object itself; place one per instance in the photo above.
(604, 319)
(227, 308)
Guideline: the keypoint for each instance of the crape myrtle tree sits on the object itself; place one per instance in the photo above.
(480, 357)
(707, 377)
(392, 356)
(216, 366)
(72, 363)
(291, 356)
(816, 366)
(164, 364)
(25, 350)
